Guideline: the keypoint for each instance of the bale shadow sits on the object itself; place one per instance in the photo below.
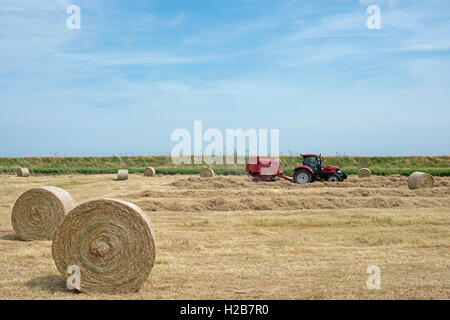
(11, 237)
(52, 284)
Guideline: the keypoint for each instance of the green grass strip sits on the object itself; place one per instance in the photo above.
(221, 171)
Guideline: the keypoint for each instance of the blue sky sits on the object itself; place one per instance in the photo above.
(137, 70)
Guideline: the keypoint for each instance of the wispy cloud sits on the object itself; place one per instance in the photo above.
(138, 58)
(143, 69)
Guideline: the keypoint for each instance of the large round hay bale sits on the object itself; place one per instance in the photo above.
(418, 180)
(149, 172)
(122, 175)
(207, 173)
(110, 241)
(38, 212)
(364, 173)
(23, 172)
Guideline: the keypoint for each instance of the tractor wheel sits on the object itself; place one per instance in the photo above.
(333, 178)
(258, 179)
(302, 177)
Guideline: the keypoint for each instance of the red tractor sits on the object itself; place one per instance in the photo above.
(312, 169)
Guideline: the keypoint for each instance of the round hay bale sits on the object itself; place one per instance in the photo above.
(122, 175)
(110, 241)
(418, 180)
(149, 172)
(364, 173)
(207, 173)
(23, 172)
(38, 212)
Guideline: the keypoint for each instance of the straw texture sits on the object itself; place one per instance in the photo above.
(418, 180)
(149, 172)
(38, 212)
(23, 172)
(364, 173)
(207, 173)
(122, 175)
(111, 241)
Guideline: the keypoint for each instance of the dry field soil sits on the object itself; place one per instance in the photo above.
(229, 238)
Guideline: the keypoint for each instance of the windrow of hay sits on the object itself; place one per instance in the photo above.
(110, 241)
(364, 173)
(23, 172)
(207, 173)
(418, 180)
(244, 182)
(122, 175)
(288, 203)
(301, 193)
(218, 182)
(149, 172)
(38, 212)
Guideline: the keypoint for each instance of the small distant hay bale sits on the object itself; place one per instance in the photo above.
(112, 243)
(149, 172)
(418, 180)
(38, 212)
(23, 172)
(122, 175)
(207, 173)
(364, 173)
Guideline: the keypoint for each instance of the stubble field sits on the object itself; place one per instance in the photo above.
(229, 238)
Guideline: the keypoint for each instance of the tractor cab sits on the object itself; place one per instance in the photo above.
(314, 162)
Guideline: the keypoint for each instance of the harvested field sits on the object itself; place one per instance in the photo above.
(240, 193)
(229, 238)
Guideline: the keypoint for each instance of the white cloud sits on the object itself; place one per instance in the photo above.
(137, 58)
(390, 3)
